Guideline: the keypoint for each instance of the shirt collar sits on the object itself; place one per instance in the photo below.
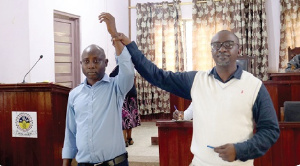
(105, 79)
(237, 74)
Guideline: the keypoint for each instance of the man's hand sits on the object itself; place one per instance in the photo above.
(178, 115)
(67, 162)
(226, 152)
(121, 37)
(110, 23)
(175, 115)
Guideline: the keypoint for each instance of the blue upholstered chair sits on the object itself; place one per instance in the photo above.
(292, 111)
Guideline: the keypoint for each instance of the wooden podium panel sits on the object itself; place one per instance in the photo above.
(175, 141)
(49, 101)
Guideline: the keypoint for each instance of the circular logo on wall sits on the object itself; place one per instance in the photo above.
(24, 122)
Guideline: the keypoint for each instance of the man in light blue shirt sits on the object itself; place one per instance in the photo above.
(94, 113)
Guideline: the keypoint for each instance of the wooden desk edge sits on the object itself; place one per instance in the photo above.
(172, 123)
(289, 125)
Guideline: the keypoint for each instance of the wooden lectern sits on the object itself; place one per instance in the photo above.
(49, 101)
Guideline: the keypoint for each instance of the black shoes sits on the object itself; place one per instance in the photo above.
(130, 141)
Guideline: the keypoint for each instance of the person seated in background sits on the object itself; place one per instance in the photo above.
(294, 64)
(187, 114)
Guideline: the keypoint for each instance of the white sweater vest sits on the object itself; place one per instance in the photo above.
(222, 114)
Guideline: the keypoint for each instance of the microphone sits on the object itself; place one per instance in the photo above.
(32, 68)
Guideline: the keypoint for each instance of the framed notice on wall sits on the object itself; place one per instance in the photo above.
(24, 124)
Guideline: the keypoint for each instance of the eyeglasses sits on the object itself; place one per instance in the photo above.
(226, 44)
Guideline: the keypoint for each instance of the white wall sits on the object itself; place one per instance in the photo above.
(26, 32)
(14, 37)
(273, 26)
(41, 42)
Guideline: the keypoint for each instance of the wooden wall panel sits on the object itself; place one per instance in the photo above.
(181, 103)
(286, 151)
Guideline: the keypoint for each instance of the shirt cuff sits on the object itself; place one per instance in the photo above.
(239, 150)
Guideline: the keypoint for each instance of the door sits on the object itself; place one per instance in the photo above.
(66, 49)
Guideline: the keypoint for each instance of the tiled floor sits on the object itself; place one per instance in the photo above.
(142, 153)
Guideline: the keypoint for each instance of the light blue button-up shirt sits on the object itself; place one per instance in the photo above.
(94, 116)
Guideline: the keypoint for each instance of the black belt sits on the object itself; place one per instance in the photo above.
(112, 162)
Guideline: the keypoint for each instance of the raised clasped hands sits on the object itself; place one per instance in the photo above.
(121, 37)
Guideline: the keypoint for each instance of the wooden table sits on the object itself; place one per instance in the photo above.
(175, 141)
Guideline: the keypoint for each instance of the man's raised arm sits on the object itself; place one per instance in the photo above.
(126, 70)
(179, 83)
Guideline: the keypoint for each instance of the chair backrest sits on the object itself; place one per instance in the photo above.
(293, 52)
(291, 111)
(243, 63)
(246, 63)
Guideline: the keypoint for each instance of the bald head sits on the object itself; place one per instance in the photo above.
(93, 50)
(93, 63)
(225, 33)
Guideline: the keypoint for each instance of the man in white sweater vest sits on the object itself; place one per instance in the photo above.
(228, 104)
